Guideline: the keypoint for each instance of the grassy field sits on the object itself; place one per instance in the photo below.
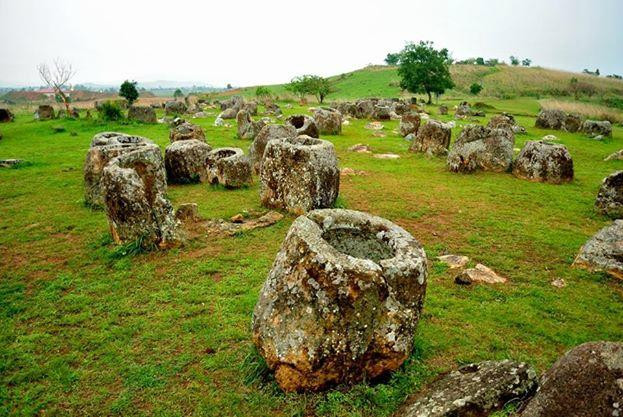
(87, 330)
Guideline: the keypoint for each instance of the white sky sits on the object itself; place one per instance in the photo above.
(268, 41)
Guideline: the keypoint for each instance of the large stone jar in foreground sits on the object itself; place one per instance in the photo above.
(544, 162)
(104, 147)
(342, 300)
(299, 174)
(135, 189)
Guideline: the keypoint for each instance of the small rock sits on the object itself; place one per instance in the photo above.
(361, 148)
(219, 122)
(238, 218)
(379, 135)
(374, 126)
(187, 212)
(559, 283)
(8, 163)
(479, 274)
(454, 261)
(549, 138)
(386, 156)
(617, 156)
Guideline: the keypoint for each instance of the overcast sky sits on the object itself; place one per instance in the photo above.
(265, 41)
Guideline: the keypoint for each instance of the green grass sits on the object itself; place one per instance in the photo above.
(91, 329)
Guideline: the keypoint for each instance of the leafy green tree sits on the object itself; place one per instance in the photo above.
(299, 86)
(423, 69)
(262, 92)
(480, 61)
(178, 93)
(475, 89)
(392, 59)
(320, 87)
(128, 91)
(526, 62)
(514, 60)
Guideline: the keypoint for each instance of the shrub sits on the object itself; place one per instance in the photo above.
(110, 111)
(475, 89)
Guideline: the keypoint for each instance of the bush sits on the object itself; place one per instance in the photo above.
(110, 111)
(475, 89)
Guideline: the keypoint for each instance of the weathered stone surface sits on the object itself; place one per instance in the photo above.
(10, 163)
(187, 212)
(443, 110)
(135, 187)
(346, 108)
(454, 261)
(250, 107)
(596, 128)
(559, 120)
(482, 148)
(364, 109)
(476, 389)
(247, 127)
(235, 103)
(409, 124)
(299, 174)
(272, 108)
(586, 382)
(229, 113)
(544, 162)
(374, 126)
(328, 120)
(186, 161)
(604, 251)
(304, 125)
(44, 112)
(229, 167)
(104, 147)
(268, 133)
(610, 196)
(479, 274)
(463, 110)
(433, 138)
(386, 156)
(186, 131)
(617, 156)
(6, 115)
(382, 112)
(143, 114)
(502, 121)
(361, 148)
(174, 107)
(342, 300)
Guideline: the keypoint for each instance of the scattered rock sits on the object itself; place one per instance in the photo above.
(187, 131)
(185, 161)
(247, 127)
(299, 174)
(479, 274)
(558, 120)
(272, 108)
(135, 186)
(364, 109)
(143, 114)
(549, 138)
(329, 121)
(381, 112)
(433, 138)
(229, 167)
(502, 121)
(386, 156)
(219, 122)
(6, 115)
(374, 126)
(479, 147)
(477, 389)
(617, 156)
(349, 172)
(341, 302)
(174, 107)
(454, 261)
(544, 162)
(360, 148)
(462, 110)
(559, 283)
(44, 112)
(604, 251)
(229, 113)
(104, 147)
(610, 196)
(303, 124)
(220, 227)
(378, 134)
(586, 382)
(9, 163)
(597, 128)
(443, 110)
(409, 124)
(238, 218)
(187, 212)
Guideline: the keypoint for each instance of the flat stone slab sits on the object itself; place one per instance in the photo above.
(8, 163)
(386, 156)
(374, 126)
(479, 274)
(454, 261)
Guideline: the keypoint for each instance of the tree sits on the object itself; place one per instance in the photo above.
(178, 93)
(229, 87)
(480, 61)
(57, 78)
(392, 59)
(320, 87)
(514, 60)
(128, 91)
(475, 89)
(262, 92)
(526, 62)
(299, 86)
(423, 69)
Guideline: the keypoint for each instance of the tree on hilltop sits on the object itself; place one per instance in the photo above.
(310, 84)
(423, 69)
(128, 91)
(392, 58)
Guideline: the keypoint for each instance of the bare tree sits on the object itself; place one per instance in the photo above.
(57, 78)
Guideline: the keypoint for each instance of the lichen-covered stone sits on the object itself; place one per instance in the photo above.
(409, 124)
(328, 120)
(104, 147)
(186, 131)
(304, 125)
(342, 300)
(143, 114)
(477, 389)
(186, 161)
(558, 120)
(502, 121)
(268, 133)
(544, 162)
(174, 107)
(610, 196)
(364, 109)
(6, 115)
(482, 148)
(604, 251)
(596, 128)
(586, 382)
(299, 174)
(247, 127)
(382, 112)
(463, 110)
(443, 110)
(273, 108)
(235, 103)
(229, 167)
(44, 112)
(433, 138)
(229, 113)
(346, 108)
(135, 188)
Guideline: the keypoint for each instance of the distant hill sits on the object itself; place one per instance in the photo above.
(501, 81)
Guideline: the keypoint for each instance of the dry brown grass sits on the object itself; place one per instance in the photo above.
(588, 110)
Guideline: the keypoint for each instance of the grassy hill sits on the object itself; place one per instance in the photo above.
(501, 81)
